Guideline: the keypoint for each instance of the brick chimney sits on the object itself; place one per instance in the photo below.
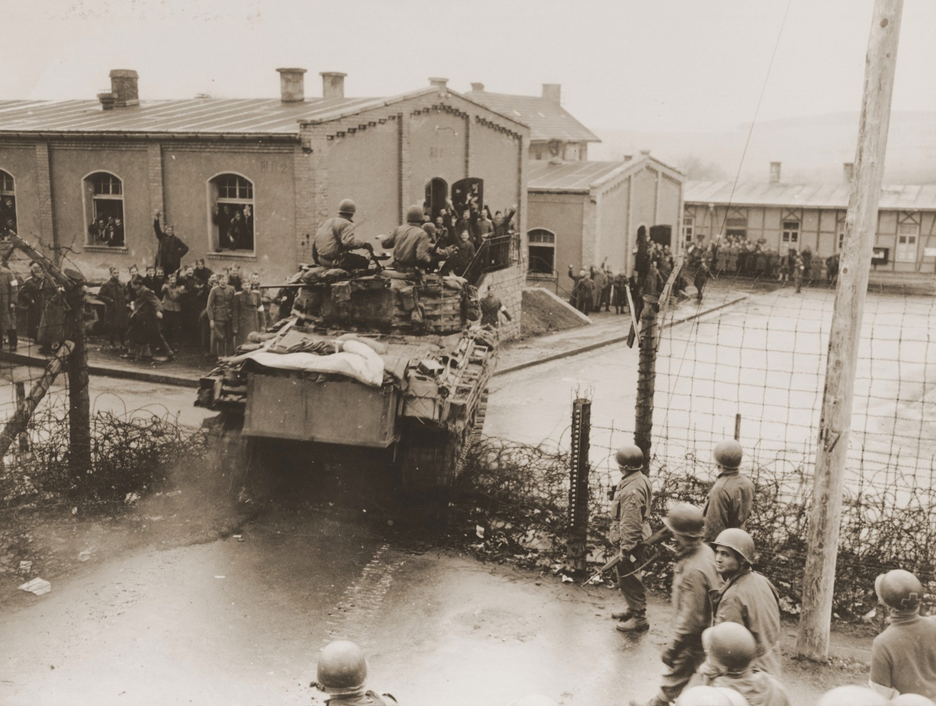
(292, 85)
(775, 172)
(644, 153)
(477, 87)
(332, 84)
(848, 172)
(553, 92)
(438, 82)
(125, 87)
(107, 100)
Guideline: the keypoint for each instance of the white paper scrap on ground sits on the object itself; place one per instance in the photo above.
(38, 586)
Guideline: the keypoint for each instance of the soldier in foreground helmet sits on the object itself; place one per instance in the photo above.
(729, 652)
(694, 576)
(852, 696)
(630, 508)
(342, 674)
(710, 696)
(903, 657)
(410, 243)
(731, 498)
(335, 237)
(747, 597)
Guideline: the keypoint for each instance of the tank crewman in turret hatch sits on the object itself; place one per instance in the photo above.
(731, 498)
(335, 237)
(410, 243)
(342, 674)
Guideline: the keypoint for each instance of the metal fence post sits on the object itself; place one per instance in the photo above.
(578, 486)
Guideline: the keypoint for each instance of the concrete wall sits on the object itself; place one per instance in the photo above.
(613, 242)
(563, 214)
(354, 161)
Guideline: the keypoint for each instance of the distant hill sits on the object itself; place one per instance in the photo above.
(811, 149)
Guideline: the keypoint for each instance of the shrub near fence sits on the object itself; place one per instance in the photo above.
(520, 495)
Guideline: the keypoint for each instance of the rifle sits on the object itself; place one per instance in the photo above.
(653, 539)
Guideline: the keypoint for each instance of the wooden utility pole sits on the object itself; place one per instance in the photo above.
(653, 310)
(860, 226)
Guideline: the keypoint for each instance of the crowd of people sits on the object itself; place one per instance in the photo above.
(7, 217)
(106, 230)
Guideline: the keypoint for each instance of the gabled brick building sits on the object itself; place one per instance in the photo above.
(246, 181)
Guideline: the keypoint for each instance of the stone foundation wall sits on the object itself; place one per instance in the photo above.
(508, 285)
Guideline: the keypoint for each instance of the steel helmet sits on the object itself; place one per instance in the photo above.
(728, 454)
(414, 214)
(736, 539)
(347, 207)
(685, 519)
(342, 668)
(852, 696)
(731, 645)
(912, 700)
(899, 589)
(629, 458)
(533, 700)
(703, 696)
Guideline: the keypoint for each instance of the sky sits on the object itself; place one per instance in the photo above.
(640, 65)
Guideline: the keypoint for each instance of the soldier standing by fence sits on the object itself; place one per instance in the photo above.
(731, 498)
(630, 509)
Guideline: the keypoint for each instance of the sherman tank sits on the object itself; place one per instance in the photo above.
(372, 369)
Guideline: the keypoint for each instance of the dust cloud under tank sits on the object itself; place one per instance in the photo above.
(377, 380)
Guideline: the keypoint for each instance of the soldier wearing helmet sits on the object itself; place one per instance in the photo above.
(694, 577)
(729, 652)
(342, 673)
(335, 237)
(630, 508)
(903, 657)
(732, 496)
(747, 597)
(411, 245)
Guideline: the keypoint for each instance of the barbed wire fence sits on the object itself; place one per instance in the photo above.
(762, 361)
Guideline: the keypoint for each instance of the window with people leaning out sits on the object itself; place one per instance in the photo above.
(232, 213)
(104, 208)
(7, 205)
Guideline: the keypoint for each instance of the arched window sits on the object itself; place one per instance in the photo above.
(436, 195)
(542, 252)
(232, 213)
(7, 204)
(104, 209)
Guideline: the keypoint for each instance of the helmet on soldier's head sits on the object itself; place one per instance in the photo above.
(852, 696)
(342, 668)
(911, 700)
(738, 540)
(347, 207)
(703, 696)
(414, 214)
(685, 519)
(899, 589)
(533, 700)
(429, 228)
(730, 645)
(728, 454)
(629, 458)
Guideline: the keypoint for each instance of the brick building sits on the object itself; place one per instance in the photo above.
(246, 181)
(782, 216)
